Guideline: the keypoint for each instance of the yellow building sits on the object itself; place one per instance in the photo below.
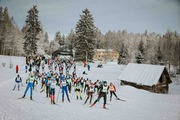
(106, 55)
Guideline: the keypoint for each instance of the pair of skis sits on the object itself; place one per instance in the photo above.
(37, 101)
(121, 99)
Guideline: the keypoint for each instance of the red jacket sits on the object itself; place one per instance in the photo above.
(111, 88)
(17, 68)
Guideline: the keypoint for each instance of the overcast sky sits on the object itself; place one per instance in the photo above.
(133, 15)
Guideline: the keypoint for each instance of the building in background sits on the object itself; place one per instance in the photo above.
(104, 55)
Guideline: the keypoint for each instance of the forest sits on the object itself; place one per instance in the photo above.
(147, 47)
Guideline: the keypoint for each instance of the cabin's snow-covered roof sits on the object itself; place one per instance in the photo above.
(144, 74)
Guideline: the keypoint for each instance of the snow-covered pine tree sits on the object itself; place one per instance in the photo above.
(122, 55)
(62, 42)
(57, 38)
(71, 39)
(46, 43)
(46, 40)
(85, 41)
(140, 54)
(7, 30)
(33, 28)
(158, 55)
(1, 30)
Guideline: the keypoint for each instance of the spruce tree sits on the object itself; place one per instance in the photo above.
(122, 55)
(46, 40)
(71, 39)
(33, 28)
(57, 37)
(158, 55)
(85, 41)
(140, 54)
(62, 42)
(2, 28)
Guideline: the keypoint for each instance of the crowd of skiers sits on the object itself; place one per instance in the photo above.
(58, 75)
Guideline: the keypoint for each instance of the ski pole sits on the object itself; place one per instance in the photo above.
(58, 95)
(72, 94)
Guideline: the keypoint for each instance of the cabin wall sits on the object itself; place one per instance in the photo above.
(159, 88)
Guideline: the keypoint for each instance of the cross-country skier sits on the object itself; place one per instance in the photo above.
(112, 90)
(61, 67)
(82, 82)
(90, 92)
(47, 83)
(26, 68)
(52, 90)
(30, 81)
(78, 89)
(43, 65)
(87, 84)
(43, 79)
(96, 85)
(63, 85)
(18, 81)
(88, 65)
(17, 68)
(102, 93)
(69, 81)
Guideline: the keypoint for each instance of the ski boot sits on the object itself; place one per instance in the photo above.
(92, 105)
(62, 100)
(31, 98)
(104, 106)
(81, 98)
(23, 96)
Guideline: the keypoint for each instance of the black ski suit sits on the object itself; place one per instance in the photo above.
(102, 93)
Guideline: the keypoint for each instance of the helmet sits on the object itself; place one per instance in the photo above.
(105, 82)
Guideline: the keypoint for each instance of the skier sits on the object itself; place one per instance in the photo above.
(26, 68)
(52, 90)
(102, 93)
(88, 65)
(82, 82)
(112, 90)
(55, 66)
(84, 63)
(78, 89)
(35, 82)
(63, 85)
(96, 85)
(43, 78)
(90, 92)
(87, 83)
(30, 79)
(17, 68)
(61, 69)
(47, 83)
(43, 65)
(69, 81)
(18, 81)
(74, 74)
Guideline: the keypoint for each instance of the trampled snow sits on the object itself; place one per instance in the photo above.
(139, 105)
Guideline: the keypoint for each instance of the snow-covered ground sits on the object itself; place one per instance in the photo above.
(139, 105)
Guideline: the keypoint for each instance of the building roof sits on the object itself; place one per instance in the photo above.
(144, 74)
(62, 52)
(103, 50)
